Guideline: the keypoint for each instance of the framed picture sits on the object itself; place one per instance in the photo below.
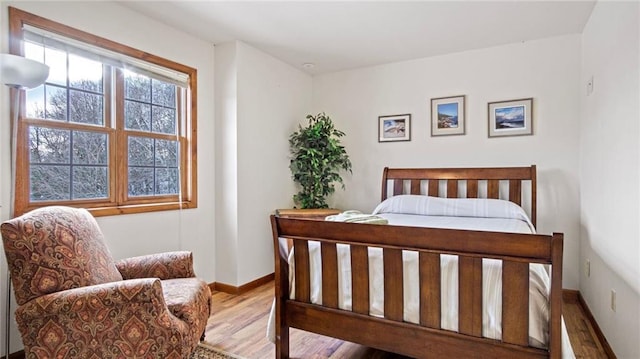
(447, 116)
(394, 128)
(511, 118)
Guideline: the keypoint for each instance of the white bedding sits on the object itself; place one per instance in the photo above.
(472, 214)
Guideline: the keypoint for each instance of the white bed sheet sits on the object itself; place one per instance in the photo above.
(492, 280)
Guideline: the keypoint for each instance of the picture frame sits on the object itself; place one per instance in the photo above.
(511, 117)
(448, 116)
(394, 128)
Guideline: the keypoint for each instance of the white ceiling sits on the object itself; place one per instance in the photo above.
(339, 35)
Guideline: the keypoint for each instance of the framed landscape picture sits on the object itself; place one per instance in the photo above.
(447, 116)
(511, 118)
(394, 128)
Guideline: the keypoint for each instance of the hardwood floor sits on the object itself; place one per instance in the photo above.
(238, 326)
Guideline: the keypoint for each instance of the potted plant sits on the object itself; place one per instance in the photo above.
(317, 158)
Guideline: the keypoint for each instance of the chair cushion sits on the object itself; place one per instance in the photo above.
(56, 248)
(189, 300)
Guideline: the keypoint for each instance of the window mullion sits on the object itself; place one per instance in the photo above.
(120, 153)
(108, 108)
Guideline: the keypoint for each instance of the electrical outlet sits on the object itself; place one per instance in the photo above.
(587, 268)
(613, 300)
(590, 86)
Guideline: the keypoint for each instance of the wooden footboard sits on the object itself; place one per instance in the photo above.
(391, 333)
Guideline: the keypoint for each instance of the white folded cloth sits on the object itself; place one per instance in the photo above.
(354, 216)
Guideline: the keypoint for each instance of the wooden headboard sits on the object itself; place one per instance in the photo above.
(509, 183)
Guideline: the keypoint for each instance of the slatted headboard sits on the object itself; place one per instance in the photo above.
(509, 183)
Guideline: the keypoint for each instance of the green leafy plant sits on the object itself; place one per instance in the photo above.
(316, 161)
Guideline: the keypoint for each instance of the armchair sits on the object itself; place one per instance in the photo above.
(76, 301)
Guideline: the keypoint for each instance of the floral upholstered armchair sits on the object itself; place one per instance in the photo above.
(75, 301)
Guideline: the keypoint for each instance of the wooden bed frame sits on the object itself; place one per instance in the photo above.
(426, 339)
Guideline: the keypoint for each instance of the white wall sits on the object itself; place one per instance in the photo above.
(270, 98)
(226, 163)
(129, 235)
(609, 172)
(547, 70)
(273, 98)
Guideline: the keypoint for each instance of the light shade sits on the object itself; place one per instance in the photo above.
(22, 73)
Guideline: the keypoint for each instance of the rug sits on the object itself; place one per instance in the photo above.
(206, 351)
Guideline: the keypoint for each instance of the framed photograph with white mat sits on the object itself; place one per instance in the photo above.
(394, 128)
(447, 116)
(511, 118)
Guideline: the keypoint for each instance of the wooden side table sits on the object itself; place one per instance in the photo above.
(317, 214)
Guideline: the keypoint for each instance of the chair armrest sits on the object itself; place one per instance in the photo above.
(131, 315)
(122, 293)
(167, 265)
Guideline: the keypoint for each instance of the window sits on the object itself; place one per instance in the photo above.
(112, 129)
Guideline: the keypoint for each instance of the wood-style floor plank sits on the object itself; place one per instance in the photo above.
(238, 325)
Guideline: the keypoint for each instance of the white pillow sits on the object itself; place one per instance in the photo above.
(452, 207)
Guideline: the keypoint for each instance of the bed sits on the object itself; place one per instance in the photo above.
(418, 290)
